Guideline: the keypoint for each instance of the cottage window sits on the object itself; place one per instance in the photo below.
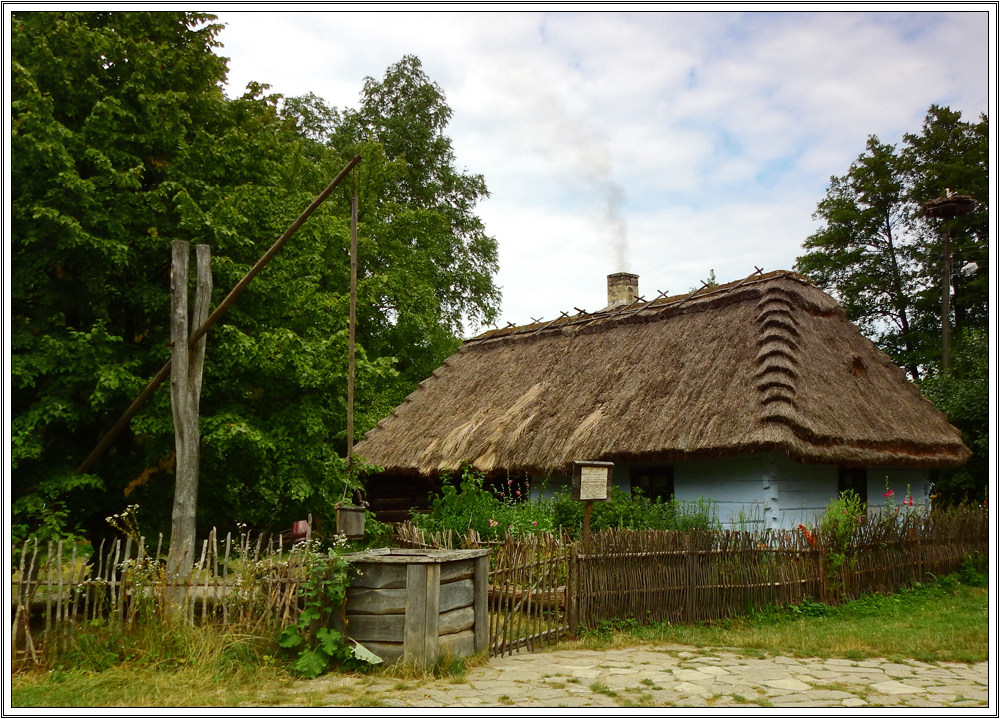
(655, 482)
(854, 479)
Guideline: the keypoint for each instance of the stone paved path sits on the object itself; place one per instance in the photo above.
(671, 675)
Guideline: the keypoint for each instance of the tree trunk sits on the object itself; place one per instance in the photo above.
(900, 302)
(185, 394)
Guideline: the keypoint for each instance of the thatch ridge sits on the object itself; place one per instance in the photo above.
(769, 363)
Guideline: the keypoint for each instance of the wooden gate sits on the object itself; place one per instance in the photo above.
(530, 595)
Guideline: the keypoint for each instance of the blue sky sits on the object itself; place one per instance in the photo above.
(667, 144)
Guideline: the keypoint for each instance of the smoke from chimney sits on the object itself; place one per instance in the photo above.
(585, 154)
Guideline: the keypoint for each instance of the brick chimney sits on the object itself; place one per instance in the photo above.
(623, 289)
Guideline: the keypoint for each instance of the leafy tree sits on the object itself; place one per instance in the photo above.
(865, 252)
(882, 259)
(122, 142)
(963, 395)
(951, 155)
(106, 110)
(431, 255)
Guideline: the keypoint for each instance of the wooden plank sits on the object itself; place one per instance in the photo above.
(389, 652)
(457, 620)
(379, 576)
(462, 644)
(415, 623)
(376, 627)
(481, 620)
(377, 601)
(416, 556)
(457, 570)
(432, 612)
(457, 594)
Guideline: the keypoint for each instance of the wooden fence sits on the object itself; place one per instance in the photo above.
(700, 576)
(529, 602)
(691, 576)
(236, 582)
(542, 587)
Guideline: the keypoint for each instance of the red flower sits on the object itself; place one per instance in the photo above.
(808, 535)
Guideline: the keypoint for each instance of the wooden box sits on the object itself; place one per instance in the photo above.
(417, 604)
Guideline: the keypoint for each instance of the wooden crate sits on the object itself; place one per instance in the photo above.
(417, 604)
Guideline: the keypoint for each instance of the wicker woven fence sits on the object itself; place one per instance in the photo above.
(237, 582)
(691, 576)
(541, 587)
(700, 576)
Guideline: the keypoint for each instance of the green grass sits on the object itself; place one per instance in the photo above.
(154, 666)
(599, 688)
(945, 621)
(134, 686)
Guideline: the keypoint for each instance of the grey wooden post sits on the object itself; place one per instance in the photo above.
(420, 631)
(185, 395)
(481, 578)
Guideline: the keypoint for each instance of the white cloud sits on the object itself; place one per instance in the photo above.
(711, 136)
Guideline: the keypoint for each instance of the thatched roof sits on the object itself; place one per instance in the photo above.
(766, 364)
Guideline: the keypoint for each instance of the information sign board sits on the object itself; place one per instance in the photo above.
(592, 481)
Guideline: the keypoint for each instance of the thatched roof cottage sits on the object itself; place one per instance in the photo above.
(759, 394)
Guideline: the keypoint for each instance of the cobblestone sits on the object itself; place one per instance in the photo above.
(679, 676)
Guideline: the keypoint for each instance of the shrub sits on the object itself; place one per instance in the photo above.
(633, 510)
(837, 527)
(471, 505)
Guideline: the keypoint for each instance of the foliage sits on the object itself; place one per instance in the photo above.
(469, 505)
(882, 259)
(474, 505)
(107, 666)
(377, 534)
(315, 643)
(122, 141)
(633, 510)
(493, 514)
(837, 527)
(424, 252)
(963, 395)
(975, 570)
(864, 254)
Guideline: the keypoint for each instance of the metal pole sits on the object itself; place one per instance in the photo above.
(212, 319)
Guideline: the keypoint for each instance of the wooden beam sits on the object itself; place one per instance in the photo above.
(157, 380)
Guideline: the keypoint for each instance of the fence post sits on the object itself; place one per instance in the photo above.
(481, 579)
(689, 603)
(573, 591)
(821, 569)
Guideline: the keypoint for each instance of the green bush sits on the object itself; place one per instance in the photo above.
(633, 510)
(974, 571)
(473, 505)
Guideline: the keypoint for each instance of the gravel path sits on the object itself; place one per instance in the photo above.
(666, 676)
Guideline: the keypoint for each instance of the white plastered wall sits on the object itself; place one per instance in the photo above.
(765, 491)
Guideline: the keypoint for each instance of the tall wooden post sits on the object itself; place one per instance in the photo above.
(350, 337)
(946, 299)
(586, 527)
(187, 363)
